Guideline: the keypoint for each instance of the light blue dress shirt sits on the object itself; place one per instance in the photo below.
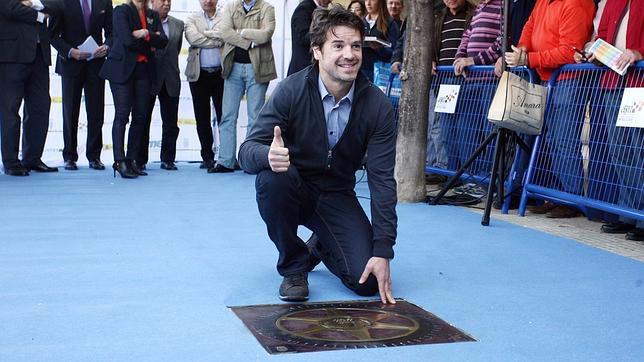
(210, 57)
(247, 7)
(336, 114)
(165, 23)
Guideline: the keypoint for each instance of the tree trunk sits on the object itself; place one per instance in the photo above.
(414, 103)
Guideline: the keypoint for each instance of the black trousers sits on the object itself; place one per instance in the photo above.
(28, 81)
(132, 96)
(169, 129)
(209, 86)
(285, 201)
(94, 87)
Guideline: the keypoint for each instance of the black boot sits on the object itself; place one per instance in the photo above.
(123, 169)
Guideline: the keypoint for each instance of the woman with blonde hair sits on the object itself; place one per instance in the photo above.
(129, 67)
(378, 24)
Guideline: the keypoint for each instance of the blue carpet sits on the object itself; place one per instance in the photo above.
(95, 268)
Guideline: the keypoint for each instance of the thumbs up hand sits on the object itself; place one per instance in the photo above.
(278, 157)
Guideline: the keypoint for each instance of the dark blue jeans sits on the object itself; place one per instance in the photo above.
(470, 126)
(132, 96)
(603, 184)
(564, 119)
(285, 201)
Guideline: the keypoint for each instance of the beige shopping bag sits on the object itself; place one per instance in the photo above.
(518, 105)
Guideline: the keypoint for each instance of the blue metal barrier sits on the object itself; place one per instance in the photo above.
(582, 158)
(389, 83)
(394, 88)
(456, 136)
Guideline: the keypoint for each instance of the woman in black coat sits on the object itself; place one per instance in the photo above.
(378, 24)
(129, 67)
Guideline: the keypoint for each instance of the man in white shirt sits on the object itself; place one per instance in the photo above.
(203, 71)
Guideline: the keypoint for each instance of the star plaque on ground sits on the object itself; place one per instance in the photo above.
(309, 327)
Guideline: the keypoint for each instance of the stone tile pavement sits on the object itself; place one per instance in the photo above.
(578, 228)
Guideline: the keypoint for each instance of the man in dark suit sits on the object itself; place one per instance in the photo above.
(79, 70)
(24, 75)
(167, 88)
(300, 40)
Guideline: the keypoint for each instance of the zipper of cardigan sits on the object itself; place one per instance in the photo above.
(356, 95)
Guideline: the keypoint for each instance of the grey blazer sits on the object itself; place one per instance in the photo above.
(167, 60)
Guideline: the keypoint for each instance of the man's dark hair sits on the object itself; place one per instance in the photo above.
(329, 19)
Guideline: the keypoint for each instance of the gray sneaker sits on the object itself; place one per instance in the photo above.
(295, 288)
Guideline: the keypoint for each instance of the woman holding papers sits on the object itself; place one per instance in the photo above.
(129, 68)
(621, 25)
(380, 25)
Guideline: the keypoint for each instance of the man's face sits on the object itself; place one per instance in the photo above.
(340, 56)
(324, 3)
(454, 5)
(208, 6)
(395, 8)
(162, 7)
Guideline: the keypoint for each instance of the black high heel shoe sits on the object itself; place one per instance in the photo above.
(135, 168)
(123, 169)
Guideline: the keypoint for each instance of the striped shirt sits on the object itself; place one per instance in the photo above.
(452, 32)
(482, 40)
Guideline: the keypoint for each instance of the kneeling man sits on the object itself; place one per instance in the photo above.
(306, 146)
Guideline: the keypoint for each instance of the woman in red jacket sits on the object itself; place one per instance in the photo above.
(621, 25)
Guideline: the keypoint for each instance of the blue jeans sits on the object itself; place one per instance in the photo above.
(603, 184)
(564, 120)
(470, 126)
(240, 81)
(436, 150)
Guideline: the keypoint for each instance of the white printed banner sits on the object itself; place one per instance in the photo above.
(447, 98)
(631, 110)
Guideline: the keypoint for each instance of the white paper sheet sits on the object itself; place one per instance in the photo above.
(89, 46)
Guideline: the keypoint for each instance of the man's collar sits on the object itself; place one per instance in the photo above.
(324, 92)
(208, 17)
(248, 6)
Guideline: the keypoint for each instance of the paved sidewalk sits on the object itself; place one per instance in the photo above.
(578, 228)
